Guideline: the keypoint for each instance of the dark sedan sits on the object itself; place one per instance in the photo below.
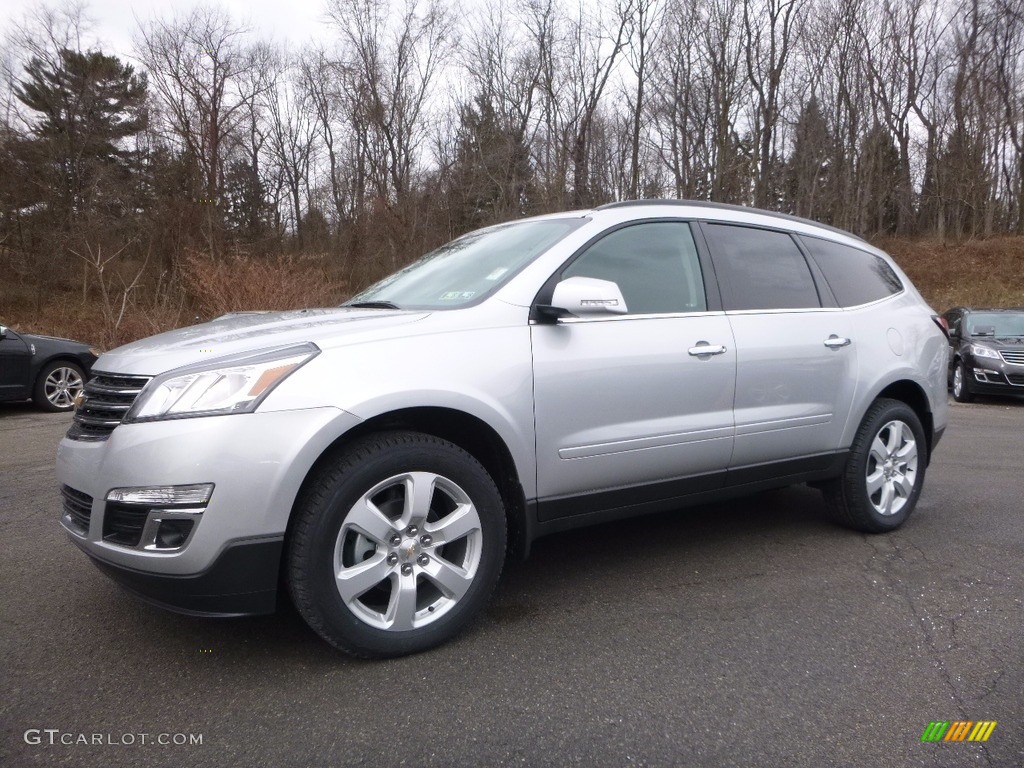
(50, 371)
(987, 352)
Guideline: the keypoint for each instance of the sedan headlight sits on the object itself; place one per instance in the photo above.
(979, 351)
(232, 384)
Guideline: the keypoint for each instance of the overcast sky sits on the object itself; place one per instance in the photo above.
(114, 21)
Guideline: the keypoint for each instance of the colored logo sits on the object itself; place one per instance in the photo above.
(958, 730)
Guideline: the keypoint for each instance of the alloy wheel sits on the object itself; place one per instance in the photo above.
(62, 386)
(892, 467)
(407, 551)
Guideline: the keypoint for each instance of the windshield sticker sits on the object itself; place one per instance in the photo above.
(496, 274)
(457, 296)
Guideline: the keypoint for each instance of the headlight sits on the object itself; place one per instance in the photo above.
(233, 384)
(979, 351)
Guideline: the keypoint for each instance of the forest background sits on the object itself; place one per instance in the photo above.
(208, 170)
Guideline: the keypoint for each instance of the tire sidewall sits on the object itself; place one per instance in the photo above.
(429, 455)
(964, 395)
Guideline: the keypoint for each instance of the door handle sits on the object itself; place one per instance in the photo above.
(703, 348)
(834, 342)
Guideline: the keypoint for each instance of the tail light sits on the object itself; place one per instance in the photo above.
(943, 325)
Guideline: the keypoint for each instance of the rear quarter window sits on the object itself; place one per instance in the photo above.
(855, 276)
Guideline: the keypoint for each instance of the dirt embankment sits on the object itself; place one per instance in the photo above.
(980, 273)
(986, 272)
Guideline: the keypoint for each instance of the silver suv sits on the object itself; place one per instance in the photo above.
(378, 461)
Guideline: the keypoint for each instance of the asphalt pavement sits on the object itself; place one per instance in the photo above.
(749, 633)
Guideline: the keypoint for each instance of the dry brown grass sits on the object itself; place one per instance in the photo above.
(980, 273)
(986, 272)
(238, 283)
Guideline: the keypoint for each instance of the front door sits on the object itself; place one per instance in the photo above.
(641, 398)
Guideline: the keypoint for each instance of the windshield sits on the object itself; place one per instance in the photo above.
(998, 324)
(467, 269)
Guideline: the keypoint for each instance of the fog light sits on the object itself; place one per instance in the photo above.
(161, 495)
(154, 518)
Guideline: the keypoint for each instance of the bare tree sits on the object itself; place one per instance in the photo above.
(199, 65)
(770, 28)
(392, 60)
(646, 21)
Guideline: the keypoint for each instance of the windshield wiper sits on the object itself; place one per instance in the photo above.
(373, 305)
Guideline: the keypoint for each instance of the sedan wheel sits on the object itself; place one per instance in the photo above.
(397, 545)
(58, 386)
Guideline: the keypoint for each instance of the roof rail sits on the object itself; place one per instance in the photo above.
(727, 207)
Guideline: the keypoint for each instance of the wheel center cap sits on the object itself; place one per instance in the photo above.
(408, 549)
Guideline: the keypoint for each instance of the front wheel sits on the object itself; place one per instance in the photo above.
(961, 389)
(397, 545)
(884, 472)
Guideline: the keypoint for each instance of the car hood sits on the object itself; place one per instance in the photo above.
(35, 338)
(250, 332)
(998, 342)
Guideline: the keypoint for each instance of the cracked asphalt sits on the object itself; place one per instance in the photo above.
(752, 633)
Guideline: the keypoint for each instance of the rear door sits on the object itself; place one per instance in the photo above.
(638, 407)
(796, 356)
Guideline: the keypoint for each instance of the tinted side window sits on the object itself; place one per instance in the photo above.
(855, 276)
(655, 266)
(760, 269)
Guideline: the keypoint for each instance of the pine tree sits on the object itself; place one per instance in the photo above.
(491, 178)
(809, 170)
(87, 106)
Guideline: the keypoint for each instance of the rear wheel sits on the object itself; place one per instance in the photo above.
(961, 388)
(884, 472)
(397, 545)
(58, 385)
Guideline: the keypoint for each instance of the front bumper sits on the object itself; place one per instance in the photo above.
(992, 377)
(242, 581)
(256, 463)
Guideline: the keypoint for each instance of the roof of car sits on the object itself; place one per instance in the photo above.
(728, 207)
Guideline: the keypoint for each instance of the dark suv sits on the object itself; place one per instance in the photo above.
(988, 352)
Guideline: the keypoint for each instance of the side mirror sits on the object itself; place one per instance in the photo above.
(584, 297)
(3, 331)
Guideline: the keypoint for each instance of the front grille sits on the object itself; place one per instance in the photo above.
(1014, 357)
(1016, 379)
(77, 508)
(123, 523)
(105, 401)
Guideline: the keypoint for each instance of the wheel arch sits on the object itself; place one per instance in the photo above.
(465, 430)
(911, 393)
(58, 357)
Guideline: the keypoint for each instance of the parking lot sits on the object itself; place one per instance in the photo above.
(750, 633)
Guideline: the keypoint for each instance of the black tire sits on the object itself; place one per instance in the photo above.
(853, 503)
(57, 386)
(330, 531)
(962, 384)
